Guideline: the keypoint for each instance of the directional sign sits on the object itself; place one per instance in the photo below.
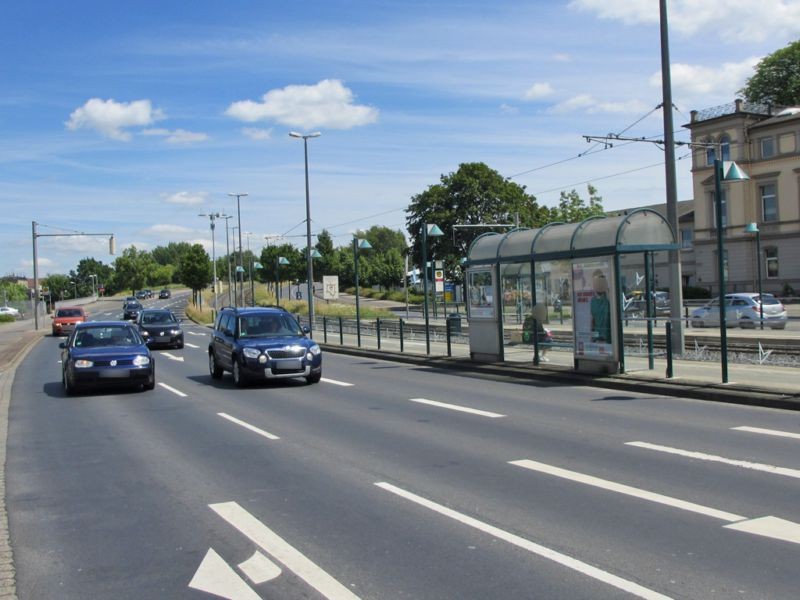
(439, 277)
(330, 287)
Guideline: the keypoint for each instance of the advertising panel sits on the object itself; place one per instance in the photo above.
(330, 287)
(593, 305)
(481, 294)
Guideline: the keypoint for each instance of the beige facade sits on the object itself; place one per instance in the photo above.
(765, 143)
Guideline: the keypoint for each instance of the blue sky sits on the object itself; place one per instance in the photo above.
(133, 117)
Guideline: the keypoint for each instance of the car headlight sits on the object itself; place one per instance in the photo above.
(141, 361)
(251, 352)
(83, 364)
(145, 333)
(315, 350)
(175, 332)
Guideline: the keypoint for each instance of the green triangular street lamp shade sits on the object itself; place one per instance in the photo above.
(240, 269)
(734, 172)
(315, 253)
(258, 265)
(751, 228)
(434, 231)
(282, 261)
(364, 244)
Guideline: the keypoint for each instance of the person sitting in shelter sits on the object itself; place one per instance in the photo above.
(543, 336)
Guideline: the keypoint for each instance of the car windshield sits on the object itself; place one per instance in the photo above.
(134, 305)
(69, 312)
(157, 318)
(109, 335)
(261, 325)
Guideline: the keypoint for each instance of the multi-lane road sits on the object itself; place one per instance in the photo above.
(392, 481)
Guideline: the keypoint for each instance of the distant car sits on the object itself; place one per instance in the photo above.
(128, 299)
(106, 354)
(636, 304)
(742, 310)
(66, 318)
(131, 310)
(160, 327)
(141, 295)
(261, 344)
(164, 294)
(10, 311)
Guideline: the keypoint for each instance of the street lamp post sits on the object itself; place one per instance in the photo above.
(93, 277)
(238, 196)
(734, 173)
(363, 245)
(75, 283)
(212, 217)
(432, 231)
(281, 261)
(753, 228)
(228, 259)
(309, 258)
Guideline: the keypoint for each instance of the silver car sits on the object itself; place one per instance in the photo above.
(742, 310)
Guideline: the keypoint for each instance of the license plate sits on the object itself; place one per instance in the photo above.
(115, 374)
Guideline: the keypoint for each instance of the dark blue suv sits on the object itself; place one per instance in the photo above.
(262, 343)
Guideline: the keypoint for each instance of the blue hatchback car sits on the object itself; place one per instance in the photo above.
(106, 354)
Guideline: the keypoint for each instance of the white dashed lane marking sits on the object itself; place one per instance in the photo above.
(246, 425)
(334, 382)
(775, 432)
(172, 389)
(456, 407)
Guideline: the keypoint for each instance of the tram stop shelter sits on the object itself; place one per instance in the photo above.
(589, 269)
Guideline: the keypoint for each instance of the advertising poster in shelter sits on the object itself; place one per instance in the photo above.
(481, 294)
(593, 305)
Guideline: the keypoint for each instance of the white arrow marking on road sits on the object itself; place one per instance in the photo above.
(280, 550)
(720, 459)
(195, 333)
(172, 389)
(172, 356)
(772, 527)
(259, 569)
(539, 550)
(774, 432)
(472, 411)
(252, 428)
(216, 577)
(191, 345)
(334, 382)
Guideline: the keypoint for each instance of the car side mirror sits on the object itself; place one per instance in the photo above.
(306, 329)
(62, 344)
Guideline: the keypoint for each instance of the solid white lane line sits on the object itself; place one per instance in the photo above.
(786, 472)
(190, 345)
(280, 550)
(252, 428)
(472, 411)
(627, 490)
(215, 576)
(539, 550)
(771, 527)
(334, 382)
(172, 389)
(775, 432)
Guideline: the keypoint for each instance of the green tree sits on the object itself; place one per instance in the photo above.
(194, 270)
(776, 79)
(11, 291)
(133, 269)
(473, 195)
(89, 267)
(572, 208)
(324, 264)
(58, 286)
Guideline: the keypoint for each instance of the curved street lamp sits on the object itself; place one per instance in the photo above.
(281, 261)
(309, 261)
(239, 217)
(358, 244)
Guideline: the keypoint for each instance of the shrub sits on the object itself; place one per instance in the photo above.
(696, 293)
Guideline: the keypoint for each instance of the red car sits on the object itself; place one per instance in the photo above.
(66, 318)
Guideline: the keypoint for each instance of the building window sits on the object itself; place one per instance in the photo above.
(767, 147)
(771, 257)
(725, 147)
(687, 238)
(714, 210)
(710, 152)
(769, 202)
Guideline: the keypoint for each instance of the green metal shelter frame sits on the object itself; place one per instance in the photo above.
(639, 231)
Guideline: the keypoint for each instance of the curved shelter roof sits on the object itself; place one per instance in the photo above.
(642, 230)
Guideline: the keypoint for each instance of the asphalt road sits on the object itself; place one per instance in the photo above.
(392, 481)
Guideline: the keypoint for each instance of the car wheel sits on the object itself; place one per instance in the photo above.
(747, 323)
(216, 371)
(151, 382)
(314, 378)
(238, 377)
(69, 387)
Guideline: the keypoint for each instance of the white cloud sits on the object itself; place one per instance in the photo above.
(110, 117)
(166, 229)
(254, 133)
(589, 105)
(538, 90)
(580, 102)
(177, 136)
(692, 81)
(507, 109)
(327, 104)
(186, 198)
(733, 21)
(562, 57)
